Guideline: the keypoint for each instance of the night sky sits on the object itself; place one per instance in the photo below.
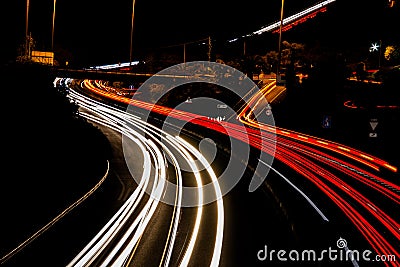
(99, 31)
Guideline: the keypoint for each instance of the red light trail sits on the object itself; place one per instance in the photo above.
(304, 154)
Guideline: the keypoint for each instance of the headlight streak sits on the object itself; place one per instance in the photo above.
(113, 121)
(146, 165)
(220, 219)
(184, 147)
(178, 197)
(298, 190)
(140, 222)
(150, 207)
(189, 250)
(99, 242)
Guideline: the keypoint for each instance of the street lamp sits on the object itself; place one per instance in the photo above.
(52, 28)
(26, 29)
(278, 79)
(374, 47)
(377, 47)
(130, 51)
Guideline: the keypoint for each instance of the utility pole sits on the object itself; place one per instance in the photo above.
(209, 48)
(52, 29)
(278, 78)
(30, 43)
(27, 41)
(131, 44)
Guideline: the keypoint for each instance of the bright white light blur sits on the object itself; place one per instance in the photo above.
(374, 47)
(115, 66)
(220, 206)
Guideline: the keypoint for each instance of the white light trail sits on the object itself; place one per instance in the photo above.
(220, 206)
(115, 66)
(298, 190)
(130, 126)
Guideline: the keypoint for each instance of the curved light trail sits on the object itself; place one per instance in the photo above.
(296, 150)
(121, 252)
(311, 157)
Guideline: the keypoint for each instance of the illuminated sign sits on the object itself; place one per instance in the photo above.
(43, 57)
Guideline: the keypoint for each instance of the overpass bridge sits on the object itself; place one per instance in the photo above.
(100, 74)
(289, 22)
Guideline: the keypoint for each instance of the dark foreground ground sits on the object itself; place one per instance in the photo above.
(50, 159)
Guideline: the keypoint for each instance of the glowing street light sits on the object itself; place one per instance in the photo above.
(374, 47)
(377, 47)
(26, 29)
